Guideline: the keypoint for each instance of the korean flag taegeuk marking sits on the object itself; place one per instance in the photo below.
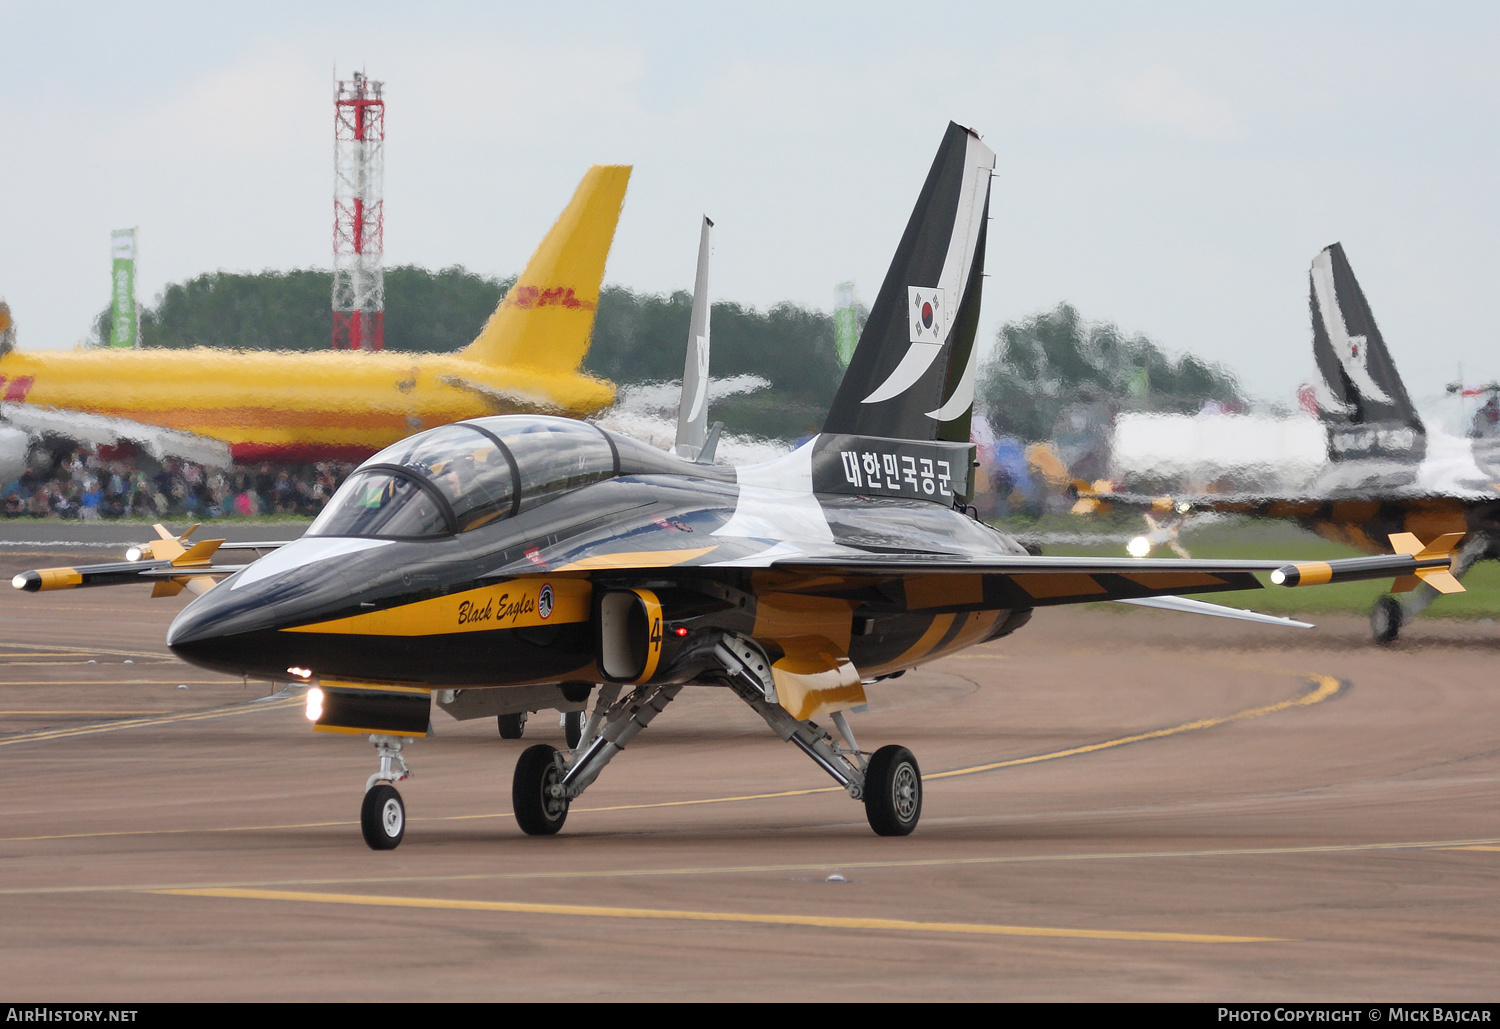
(928, 317)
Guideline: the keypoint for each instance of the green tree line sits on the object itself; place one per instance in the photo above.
(1050, 364)
(1042, 366)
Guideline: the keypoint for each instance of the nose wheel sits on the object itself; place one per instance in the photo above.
(893, 792)
(382, 817)
(512, 726)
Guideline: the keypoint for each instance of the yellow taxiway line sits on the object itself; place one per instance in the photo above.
(142, 723)
(1325, 687)
(117, 714)
(122, 682)
(33, 648)
(814, 921)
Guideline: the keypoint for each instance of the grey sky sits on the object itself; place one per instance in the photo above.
(1173, 168)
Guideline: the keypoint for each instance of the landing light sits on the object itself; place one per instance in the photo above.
(301, 673)
(19, 582)
(1138, 547)
(1278, 577)
(133, 554)
(314, 704)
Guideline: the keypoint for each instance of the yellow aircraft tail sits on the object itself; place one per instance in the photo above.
(545, 320)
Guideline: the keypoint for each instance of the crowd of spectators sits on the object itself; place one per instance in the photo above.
(81, 484)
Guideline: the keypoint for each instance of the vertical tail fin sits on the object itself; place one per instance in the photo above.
(692, 409)
(545, 320)
(1361, 398)
(912, 374)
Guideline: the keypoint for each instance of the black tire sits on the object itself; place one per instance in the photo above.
(382, 817)
(893, 792)
(537, 812)
(512, 726)
(573, 728)
(1386, 618)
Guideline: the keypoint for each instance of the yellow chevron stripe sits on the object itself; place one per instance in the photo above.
(512, 604)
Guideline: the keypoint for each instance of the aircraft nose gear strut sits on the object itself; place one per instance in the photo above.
(546, 782)
(382, 816)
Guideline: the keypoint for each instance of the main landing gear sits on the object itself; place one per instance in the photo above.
(1385, 619)
(546, 781)
(513, 726)
(382, 816)
(1389, 614)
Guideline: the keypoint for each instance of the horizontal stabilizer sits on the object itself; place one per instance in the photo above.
(102, 430)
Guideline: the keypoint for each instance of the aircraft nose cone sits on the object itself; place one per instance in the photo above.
(202, 634)
(236, 626)
(196, 623)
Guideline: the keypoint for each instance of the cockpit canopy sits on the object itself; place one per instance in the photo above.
(461, 476)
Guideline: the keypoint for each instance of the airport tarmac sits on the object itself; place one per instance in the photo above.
(1120, 805)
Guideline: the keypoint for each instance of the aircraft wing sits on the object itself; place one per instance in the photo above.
(170, 562)
(1023, 580)
(103, 430)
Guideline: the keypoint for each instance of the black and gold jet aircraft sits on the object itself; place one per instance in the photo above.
(508, 564)
(1390, 482)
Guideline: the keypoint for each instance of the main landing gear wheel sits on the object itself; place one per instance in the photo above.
(512, 726)
(538, 813)
(893, 792)
(1385, 619)
(573, 728)
(382, 817)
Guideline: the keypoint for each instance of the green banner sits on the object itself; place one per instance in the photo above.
(845, 321)
(123, 327)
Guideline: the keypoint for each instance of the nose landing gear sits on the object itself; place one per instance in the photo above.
(382, 816)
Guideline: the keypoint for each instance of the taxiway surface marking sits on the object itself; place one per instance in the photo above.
(1325, 688)
(1492, 843)
(816, 921)
(141, 723)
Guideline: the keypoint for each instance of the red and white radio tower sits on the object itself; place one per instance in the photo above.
(358, 214)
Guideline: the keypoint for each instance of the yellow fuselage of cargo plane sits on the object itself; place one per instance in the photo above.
(306, 406)
(295, 406)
